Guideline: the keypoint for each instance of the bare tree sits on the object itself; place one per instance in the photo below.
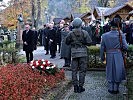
(38, 12)
(33, 12)
(103, 3)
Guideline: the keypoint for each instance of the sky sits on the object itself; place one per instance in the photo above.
(6, 1)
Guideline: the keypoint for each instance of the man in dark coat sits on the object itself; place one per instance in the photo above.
(58, 32)
(78, 39)
(127, 31)
(28, 43)
(35, 36)
(52, 41)
(46, 38)
(131, 34)
(97, 32)
(88, 29)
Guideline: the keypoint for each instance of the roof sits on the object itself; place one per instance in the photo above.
(131, 12)
(57, 20)
(76, 15)
(84, 14)
(108, 11)
(113, 10)
(101, 10)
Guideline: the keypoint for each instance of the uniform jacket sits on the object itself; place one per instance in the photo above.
(115, 71)
(78, 40)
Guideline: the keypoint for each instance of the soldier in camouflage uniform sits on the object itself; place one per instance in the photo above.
(78, 39)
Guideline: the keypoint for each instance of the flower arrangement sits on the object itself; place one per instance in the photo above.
(20, 82)
(44, 66)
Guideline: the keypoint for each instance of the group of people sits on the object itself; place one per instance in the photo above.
(73, 41)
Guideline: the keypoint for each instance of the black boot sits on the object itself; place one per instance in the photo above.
(81, 89)
(76, 88)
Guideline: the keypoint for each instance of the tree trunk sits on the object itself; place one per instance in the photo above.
(33, 12)
(38, 12)
(106, 3)
(103, 3)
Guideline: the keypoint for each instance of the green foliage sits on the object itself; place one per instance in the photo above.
(94, 57)
(130, 56)
(93, 50)
(8, 53)
(130, 83)
(130, 48)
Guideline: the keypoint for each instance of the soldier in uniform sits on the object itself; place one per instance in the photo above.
(78, 39)
(110, 43)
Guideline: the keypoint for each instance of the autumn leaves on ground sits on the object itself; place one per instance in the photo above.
(19, 82)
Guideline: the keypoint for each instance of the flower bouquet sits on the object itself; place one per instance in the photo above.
(44, 66)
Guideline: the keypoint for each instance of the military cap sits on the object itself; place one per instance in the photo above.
(77, 22)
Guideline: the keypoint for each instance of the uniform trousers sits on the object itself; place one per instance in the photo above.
(113, 86)
(80, 64)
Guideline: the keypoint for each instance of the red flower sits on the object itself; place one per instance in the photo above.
(20, 82)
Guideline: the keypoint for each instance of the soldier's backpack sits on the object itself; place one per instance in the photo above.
(78, 49)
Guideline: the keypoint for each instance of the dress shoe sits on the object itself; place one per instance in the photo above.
(116, 92)
(66, 66)
(46, 53)
(52, 57)
(81, 89)
(111, 91)
(76, 88)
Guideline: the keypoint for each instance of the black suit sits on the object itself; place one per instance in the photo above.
(35, 39)
(28, 37)
(46, 39)
(53, 44)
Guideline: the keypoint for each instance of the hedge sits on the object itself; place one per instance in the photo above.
(8, 52)
(94, 57)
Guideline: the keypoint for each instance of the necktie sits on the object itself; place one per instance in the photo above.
(27, 32)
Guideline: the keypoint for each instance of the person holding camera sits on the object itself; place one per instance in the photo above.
(113, 43)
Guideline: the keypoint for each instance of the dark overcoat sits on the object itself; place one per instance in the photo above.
(88, 29)
(131, 34)
(45, 36)
(115, 71)
(52, 35)
(65, 49)
(35, 37)
(58, 32)
(29, 38)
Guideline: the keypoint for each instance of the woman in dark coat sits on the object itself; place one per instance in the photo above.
(65, 49)
(52, 41)
(28, 43)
